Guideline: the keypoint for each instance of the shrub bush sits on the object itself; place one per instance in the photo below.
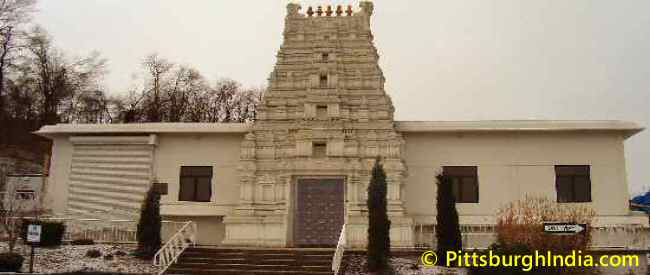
(93, 253)
(520, 231)
(522, 223)
(82, 242)
(378, 222)
(51, 232)
(149, 226)
(11, 262)
(448, 236)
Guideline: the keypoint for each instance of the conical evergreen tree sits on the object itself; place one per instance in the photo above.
(149, 225)
(378, 223)
(447, 227)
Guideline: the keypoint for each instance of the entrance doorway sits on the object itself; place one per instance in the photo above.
(319, 212)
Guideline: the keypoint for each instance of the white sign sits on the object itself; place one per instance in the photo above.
(34, 233)
(564, 228)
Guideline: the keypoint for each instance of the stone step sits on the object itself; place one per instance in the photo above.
(287, 261)
(247, 267)
(239, 272)
(240, 261)
(226, 251)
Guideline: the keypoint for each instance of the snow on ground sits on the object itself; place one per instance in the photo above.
(356, 264)
(67, 258)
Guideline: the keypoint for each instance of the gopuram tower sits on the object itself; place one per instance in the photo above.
(306, 163)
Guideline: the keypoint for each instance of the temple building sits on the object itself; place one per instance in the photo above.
(296, 175)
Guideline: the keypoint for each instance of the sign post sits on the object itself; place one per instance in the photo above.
(565, 228)
(33, 238)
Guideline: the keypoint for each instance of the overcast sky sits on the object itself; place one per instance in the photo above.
(443, 60)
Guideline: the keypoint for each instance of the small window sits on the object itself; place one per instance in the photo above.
(319, 149)
(573, 183)
(195, 183)
(321, 111)
(464, 181)
(326, 57)
(323, 81)
(25, 195)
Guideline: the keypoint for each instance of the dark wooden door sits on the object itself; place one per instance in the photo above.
(319, 212)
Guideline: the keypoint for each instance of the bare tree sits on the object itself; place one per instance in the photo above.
(229, 102)
(57, 81)
(92, 107)
(130, 107)
(14, 14)
(158, 69)
(187, 81)
(176, 93)
(222, 100)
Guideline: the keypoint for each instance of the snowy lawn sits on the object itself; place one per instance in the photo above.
(71, 258)
(403, 265)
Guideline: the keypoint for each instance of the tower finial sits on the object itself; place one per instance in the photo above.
(319, 11)
(293, 8)
(329, 11)
(349, 10)
(339, 10)
(367, 7)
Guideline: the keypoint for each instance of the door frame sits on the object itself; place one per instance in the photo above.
(292, 213)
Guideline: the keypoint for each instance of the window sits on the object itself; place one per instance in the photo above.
(326, 57)
(323, 81)
(319, 149)
(321, 111)
(27, 195)
(464, 181)
(195, 183)
(573, 183)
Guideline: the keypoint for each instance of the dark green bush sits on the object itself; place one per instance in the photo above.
(51, 232)
(448, 236)
(11, 262)
(378, 222)
(149, 226)
(93, 253)
(82, 242)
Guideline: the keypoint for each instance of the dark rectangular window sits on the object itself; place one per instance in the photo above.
(573, 183)
(464, 182)
(323, 81)
(319, 149)
(321, 111)
(195, 183)
(27, 195)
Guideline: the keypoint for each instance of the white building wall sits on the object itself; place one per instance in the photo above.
(512, 165)
(56, 189)
(221, 151)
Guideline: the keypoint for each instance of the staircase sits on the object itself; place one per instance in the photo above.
(244, 261)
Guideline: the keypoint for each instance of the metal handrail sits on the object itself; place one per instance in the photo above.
(338, 253)
(181, 240)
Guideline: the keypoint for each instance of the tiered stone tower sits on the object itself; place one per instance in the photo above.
(325, 114)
